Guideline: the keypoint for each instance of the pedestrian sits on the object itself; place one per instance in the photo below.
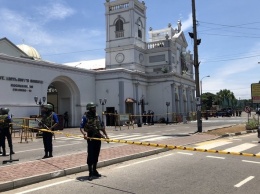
(66, 119)
(90, 127)
(49, 121)
(5, 121)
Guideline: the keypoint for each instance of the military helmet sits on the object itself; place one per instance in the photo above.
(48, 106)
(4, 111)
(91, 105)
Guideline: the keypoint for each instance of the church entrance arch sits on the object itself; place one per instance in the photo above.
(64, 94)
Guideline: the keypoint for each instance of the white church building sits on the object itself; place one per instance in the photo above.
(138, 73)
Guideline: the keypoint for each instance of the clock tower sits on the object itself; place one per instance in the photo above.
(125, 34)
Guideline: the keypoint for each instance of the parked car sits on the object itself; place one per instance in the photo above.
(225, 112)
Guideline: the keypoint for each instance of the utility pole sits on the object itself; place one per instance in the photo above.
(196, 67)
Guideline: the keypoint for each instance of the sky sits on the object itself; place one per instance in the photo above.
(64, 31)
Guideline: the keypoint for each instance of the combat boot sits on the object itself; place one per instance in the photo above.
(50, 155)
(4, 152)
(95, 172)
(45, 156)
(1, 151)
(90, 169)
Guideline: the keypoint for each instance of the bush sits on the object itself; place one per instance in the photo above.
(252, 124)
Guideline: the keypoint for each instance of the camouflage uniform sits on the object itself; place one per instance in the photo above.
(5, 121)
(49, 118)
(92, 125)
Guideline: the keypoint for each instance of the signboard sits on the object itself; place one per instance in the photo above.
(247, 109)
(198, 100)
(255, 92)
(33, 123)
(17, 123)
(124, 117)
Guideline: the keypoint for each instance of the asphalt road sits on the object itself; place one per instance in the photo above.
(169, 172)
(64, 145)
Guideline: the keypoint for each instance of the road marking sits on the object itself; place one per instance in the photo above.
(43, 187)
(144, 161)
(123, 136)
(142, 137)
(244, 181)
(43, 148)
(216, 157)
(234, 139)
(69, 138)
(251, 161)
(184, 153)
(156, 138)
(240, 148)
(212, 144)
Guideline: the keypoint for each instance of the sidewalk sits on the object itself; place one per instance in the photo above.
(21, 174)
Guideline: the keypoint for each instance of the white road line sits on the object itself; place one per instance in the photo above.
(144, 161)
(43, 187)
(123, 136)
(156, 138)
(235, 139)
(185, 153)
(251, 161)
(211, 145)
(170, 130)
(241, 147)
(244, 181)
(69, 138)
(142, 137)
(53, 146)
(216, 157)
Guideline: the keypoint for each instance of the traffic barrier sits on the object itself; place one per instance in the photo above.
(154, 144)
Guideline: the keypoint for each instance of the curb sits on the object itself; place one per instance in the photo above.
(239, 133)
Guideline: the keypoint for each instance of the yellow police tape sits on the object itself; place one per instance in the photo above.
(149, 144)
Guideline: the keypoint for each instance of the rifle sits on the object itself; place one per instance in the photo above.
(45, 126)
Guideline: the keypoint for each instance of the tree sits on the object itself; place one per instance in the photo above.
(225, 98)
(207, 100)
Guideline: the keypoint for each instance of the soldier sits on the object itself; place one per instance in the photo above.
(90, 127)
(5, 120)
(49, 121)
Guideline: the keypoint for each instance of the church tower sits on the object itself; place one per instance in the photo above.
(125, 34)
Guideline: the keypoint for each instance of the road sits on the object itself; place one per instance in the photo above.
(63, 145)
(170, 172)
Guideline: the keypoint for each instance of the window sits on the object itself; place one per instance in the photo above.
(119, 28)
(139, 33)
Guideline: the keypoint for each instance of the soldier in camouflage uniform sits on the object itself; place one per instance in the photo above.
(5, 120)
(90, 127)
(49, 121)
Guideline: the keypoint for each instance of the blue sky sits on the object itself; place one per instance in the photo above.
(68, 31)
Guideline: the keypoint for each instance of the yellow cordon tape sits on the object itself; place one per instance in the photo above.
(151, 144)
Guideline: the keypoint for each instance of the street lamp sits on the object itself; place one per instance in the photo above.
(40, 102)
(102, 102)
(201, 83)
(139, 124)
(167, 104)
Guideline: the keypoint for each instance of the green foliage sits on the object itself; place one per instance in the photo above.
(252, 124)
(225, 98)
(207, 100)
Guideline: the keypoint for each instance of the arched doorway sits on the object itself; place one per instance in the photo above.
(64, 94)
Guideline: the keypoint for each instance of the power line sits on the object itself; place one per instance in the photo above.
(246, 57)
(232, 35)
(232, 26)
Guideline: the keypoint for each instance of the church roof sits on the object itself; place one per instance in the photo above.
(91, 64)
(30, 51)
